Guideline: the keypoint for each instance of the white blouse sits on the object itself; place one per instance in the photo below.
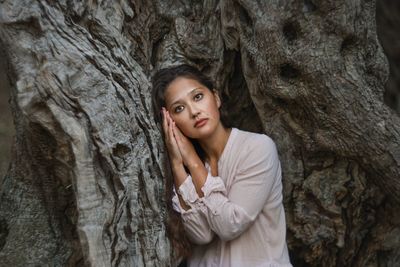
(240, 221)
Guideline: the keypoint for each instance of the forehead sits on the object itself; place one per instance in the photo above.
(180, 88)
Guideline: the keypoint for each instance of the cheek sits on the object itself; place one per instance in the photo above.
(179, 122)
(214, 109)
(184, 127)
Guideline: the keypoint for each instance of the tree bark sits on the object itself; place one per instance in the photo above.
(86, 183)
(387, 19)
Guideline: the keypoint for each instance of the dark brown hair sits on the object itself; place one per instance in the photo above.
(164, 77)
(161, 80)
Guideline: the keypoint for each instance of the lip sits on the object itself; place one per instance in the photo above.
(200, 123)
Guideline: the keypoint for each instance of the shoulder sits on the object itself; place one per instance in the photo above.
(255, 152)
(255, 141)
(255, 144)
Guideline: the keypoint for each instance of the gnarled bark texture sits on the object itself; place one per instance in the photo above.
(387, 21)
(85, 187)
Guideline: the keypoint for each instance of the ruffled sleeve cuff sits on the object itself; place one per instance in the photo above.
(214, 195)
(188, 191)
(175, 202)
(176, 205)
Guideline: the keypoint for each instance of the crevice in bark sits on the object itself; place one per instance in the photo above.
(245, 17)
(309, 6)
(53, 167)
(288, 72)
(121, 98)
(238, 108)
(112, 188)
(291, 31)
(4, 230)
(388, 33)
(155, 48)
(7, 129)
(31, 25)
(348, 44)
(120, 150)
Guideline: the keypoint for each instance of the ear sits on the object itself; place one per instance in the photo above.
(217, 98)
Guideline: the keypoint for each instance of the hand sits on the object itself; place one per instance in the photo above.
(170, 141)
(188, 152)
(189, 157)
(191, 160)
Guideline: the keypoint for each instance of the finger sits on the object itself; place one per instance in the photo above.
(178, 133)
(174, 131)
(168, 116)
(179, 137)
(174, 140)
(172, 125)
(170, 130)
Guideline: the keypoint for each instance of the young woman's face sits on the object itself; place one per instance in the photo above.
(193, 107)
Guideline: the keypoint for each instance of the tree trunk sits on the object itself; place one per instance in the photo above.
(86, 183)
(387, 21)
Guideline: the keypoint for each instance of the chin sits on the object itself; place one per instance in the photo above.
(201, 133)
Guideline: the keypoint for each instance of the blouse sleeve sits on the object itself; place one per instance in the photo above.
(229, 215)
(194, 222)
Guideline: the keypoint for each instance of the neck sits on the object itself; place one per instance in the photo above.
(214, 145)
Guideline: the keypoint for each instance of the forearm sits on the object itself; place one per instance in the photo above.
(199, 175)
(194, 221)
(179, 173)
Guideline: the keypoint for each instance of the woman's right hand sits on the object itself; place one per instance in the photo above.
(174, 153)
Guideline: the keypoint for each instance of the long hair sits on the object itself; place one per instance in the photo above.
(160, 81)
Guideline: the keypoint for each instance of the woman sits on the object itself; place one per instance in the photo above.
(227, 186)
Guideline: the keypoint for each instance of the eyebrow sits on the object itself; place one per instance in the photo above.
(191, 92)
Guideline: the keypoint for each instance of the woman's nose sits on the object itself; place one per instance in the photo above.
(194, 111)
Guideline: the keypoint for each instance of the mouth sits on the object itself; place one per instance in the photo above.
(200, 123)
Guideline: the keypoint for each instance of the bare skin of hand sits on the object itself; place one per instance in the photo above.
(170, 141)
(189, 156)
(175, 157)
(188, 153)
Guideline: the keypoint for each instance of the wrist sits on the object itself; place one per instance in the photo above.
(194, 163)
(176, 164)
(179, 173)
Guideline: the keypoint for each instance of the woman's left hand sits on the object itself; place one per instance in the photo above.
(188, 153)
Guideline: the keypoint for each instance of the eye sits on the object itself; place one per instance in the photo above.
(178, 109)
(198, 96)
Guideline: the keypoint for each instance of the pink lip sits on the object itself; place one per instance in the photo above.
(200, 123)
